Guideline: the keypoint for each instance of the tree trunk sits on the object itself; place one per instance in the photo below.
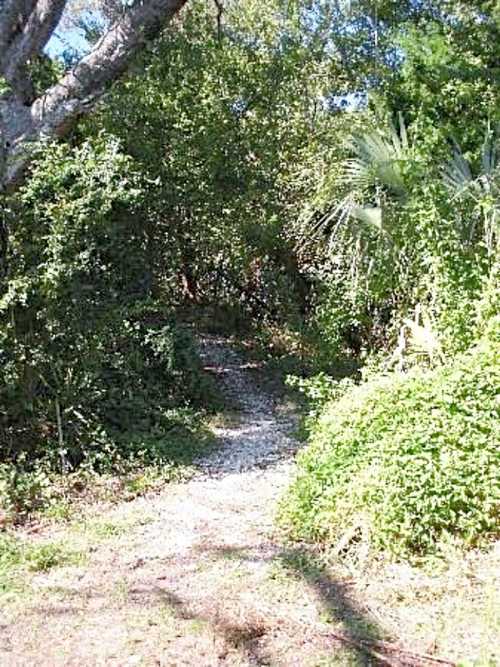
(25, 28)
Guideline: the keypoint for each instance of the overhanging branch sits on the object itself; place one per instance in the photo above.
(55, 112)
(30, 42)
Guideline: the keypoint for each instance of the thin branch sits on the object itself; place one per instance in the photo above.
(388, 653)
(220, 10)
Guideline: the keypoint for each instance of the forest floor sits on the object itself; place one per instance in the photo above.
(198, 575)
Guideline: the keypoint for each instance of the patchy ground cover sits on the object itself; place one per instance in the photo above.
(197, 575)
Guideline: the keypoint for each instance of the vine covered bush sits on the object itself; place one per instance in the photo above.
(88, 356)
(404, 463)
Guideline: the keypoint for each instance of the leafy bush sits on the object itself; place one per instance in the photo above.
(404, 461)
(22, 491)
(89, 358)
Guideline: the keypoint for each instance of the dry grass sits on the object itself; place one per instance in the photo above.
(246, 601)
(446, 609)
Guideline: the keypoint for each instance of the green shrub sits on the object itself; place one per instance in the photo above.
(43, 557)
(18, 556)
(22, 491)
(90, 358)
(404, 461)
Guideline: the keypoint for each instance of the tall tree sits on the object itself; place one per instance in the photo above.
(25, 28)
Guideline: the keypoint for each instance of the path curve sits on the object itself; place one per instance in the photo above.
(263, 436)
(196, 579)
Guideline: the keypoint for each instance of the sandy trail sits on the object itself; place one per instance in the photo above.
(198, 575)
(195, 575)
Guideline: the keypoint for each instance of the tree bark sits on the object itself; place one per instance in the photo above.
(29, 40)
(13, 16)
(25, 28)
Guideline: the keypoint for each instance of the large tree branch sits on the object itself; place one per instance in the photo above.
(55, 112)
(13, 17)
(30, 42)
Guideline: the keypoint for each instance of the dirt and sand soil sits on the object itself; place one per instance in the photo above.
(197, 575)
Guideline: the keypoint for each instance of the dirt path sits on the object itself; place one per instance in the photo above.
(195, 575)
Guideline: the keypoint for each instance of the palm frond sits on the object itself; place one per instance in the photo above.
(483, 189)
(489, 157)
(457, 174)
(376, 165)
(371, 215)
(379, 157)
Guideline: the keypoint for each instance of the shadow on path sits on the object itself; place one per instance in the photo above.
(368, 642)
(360, 633)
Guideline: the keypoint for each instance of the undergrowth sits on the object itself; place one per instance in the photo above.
(137, 465)
(404, 463)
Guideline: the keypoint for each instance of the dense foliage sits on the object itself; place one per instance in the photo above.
(89, 359)
(325, 174)
(407, 459)
(404, 463)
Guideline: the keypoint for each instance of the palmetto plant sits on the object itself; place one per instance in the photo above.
(378, 160)
(482, 189)
(375, 173)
